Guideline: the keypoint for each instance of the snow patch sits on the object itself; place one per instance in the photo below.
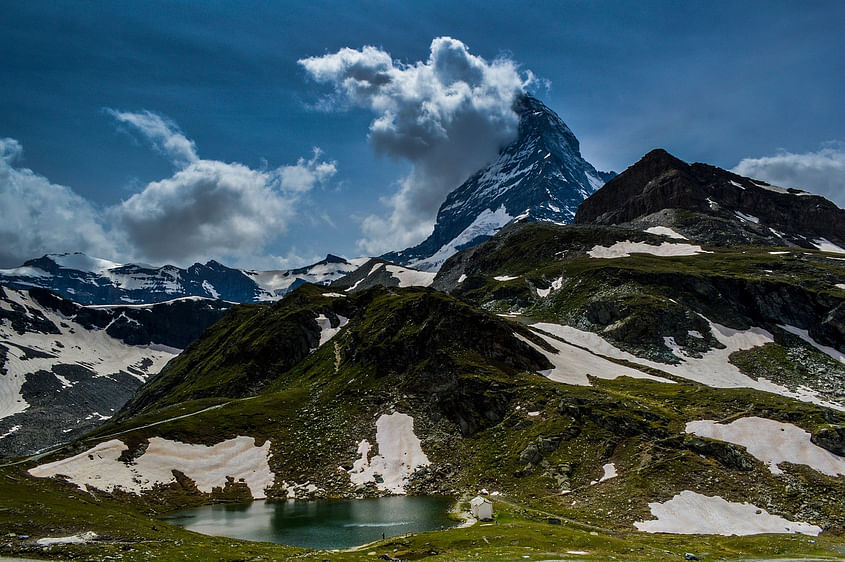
(609, 472)
(485, 224)
(772, 442)
(665, 231)
(805, 335)
(410, 277)
(826, 245)
(81, 538)
(749, 218)
(326, 330)
(210, 289)
(840, 286)
(13, 429)
(99, 467)
(463, 278)
(626, 248)
(82, 262)
(334, 295)
(400, 455)
(572, 364)
(505, 278)
(690, 513)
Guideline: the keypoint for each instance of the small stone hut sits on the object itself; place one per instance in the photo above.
(481, 508)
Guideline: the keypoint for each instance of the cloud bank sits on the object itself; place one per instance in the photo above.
(40, 216)
(207, 208)
(821, 172)
(448, 116)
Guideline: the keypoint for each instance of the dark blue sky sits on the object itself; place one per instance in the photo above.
(716, 82)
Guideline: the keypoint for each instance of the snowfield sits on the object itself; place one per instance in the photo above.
(326, 330)
(665, 231)
(572, 364)
(399, 455)
(713, 368)
(239, 458)
(410, 277)
(690, 513)
(772, 442)
(626, 248)
(487, 223)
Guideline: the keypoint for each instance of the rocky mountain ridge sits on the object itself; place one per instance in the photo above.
(712, 205)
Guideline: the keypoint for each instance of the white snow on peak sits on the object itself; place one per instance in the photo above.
(411, 277)
(665, 231)
(210, 288)
(82, 262)
(595, 182)
(486, 224)
(826, 245)
(399, 454)
(691, 513)
(626, 248)
(805, 335)
(373, 269)
(772, 442)
(207, 466)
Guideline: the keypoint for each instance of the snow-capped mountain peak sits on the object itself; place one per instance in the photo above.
(539, 176)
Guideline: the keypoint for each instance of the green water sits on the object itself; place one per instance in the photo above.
(319, 524)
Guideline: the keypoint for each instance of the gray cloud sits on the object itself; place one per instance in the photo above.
(41, 217)
(448, 116)
(209, 208)
(822, 171)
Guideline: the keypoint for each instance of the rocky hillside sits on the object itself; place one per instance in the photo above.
(712, 205)
(65, 368)
(540, 176)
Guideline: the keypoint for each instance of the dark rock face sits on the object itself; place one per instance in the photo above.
(831, 438)
(659, 181)
(726, 453)
(539, 176)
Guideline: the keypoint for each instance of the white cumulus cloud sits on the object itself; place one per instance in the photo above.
(41, 217)
(209, 208)
(164, 135)
(822, 171)
(447, 116)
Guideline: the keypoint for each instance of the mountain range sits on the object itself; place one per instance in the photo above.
(666, 360)
(91, 280)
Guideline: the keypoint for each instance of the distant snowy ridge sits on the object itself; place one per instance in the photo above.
(90, 280)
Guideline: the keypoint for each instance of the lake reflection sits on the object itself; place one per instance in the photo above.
(319, 524)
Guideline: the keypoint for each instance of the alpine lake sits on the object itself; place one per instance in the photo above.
(320, 524)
